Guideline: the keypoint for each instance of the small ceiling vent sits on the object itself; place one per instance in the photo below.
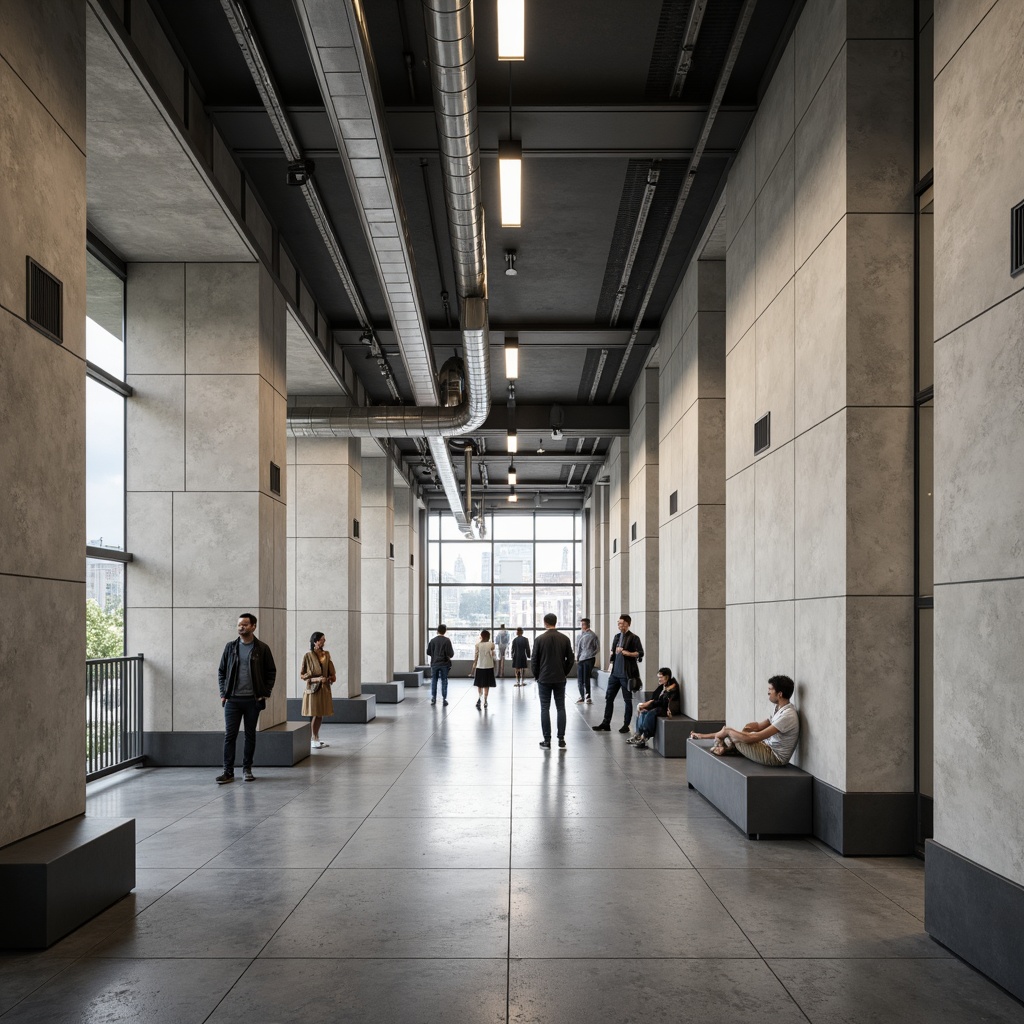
(45, 302)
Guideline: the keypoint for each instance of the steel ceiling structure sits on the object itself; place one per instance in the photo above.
(629, 115)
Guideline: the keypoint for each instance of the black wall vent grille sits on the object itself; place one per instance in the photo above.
(615, 545)
(45, 302)
(391, 551)
(275, 478)
(632, 532)
(1017, 240)
(673, 503)
(355, 528)
(763, 433)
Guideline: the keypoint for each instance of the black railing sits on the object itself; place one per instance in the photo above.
(113, 715)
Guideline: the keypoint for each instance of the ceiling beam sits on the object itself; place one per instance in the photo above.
(575, 335)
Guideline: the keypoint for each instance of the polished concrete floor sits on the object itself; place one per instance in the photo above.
(437, 865)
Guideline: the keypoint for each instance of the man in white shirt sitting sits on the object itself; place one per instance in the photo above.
(770, 742)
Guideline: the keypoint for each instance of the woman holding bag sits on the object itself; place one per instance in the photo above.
(318, 674)
(483, 666)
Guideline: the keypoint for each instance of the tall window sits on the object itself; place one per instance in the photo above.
(105, 394)
(529, 565)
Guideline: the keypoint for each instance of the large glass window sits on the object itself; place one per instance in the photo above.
(105, 393)
(529, 565)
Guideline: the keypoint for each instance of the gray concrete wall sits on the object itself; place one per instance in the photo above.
(979, 440)
(42, 419)
(644, 569)
(691, 348)
(819, 332)
(378, 580)
(324, 558)
(205, 353)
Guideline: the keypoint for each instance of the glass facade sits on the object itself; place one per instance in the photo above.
(529, 565)
(104, 460)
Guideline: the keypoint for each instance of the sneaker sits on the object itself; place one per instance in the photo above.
(642, 745)
(225, 778)
(433, 702)
(625, 728)
(546, 744)
(580, 701)
(603, 727)
(589, 701)
(247, 775)
(561, 743)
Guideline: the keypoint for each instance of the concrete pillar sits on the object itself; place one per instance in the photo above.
(602, 617)
(974, 868)
(819, 333)
(205, 354)
(42, 415)
(642, 538)
(325, 556)
(617, 467)
(407, 652)
(378, 582)
(692, 507)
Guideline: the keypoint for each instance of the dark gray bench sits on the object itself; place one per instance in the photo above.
(56, 880)
(281, 745)
(671, 734)
(386, 693)
(409, 678)
(759, 800)
(347, 710)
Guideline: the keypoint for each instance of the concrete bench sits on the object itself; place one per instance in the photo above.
(386, 693)
(280, 746)
(759, 800)
(347, 710)
(671, 734)
(56, 880)
(409, 678)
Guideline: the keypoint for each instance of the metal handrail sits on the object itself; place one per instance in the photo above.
(113, 714)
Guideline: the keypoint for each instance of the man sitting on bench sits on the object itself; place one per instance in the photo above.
(770, 742)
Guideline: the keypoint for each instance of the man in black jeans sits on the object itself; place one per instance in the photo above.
(246, 678)
(552, 659)
(626, 655)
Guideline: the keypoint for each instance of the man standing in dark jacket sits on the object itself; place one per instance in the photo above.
(627, 653)
(246, 677)
(551, 661)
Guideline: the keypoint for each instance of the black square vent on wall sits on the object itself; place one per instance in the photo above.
(1017, 240)
(673, 503)
(45, 302)
(763, 433)
(275, 478)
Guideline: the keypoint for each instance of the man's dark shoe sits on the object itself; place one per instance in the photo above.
(561, 743)
(546, 744)
(444, 703)
(225, 778)
(625, 728)
(248, 775)
(603, 727)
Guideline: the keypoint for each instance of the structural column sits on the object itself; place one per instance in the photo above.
(42, 418)
(692, 493)
(407, 653)
(378, 584)
(617, 465)
(325, 556)
(642, 540)
(206, 480)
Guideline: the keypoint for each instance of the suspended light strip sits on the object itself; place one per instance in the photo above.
(512, 475)
(510, 177)
(512, 358)
(511, 29)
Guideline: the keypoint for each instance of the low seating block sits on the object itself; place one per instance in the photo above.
(281, 746)
(672, 733)
(757, 799)
(409, 678)
(347, 710)
(386, 693)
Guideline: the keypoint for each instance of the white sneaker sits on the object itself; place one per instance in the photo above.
(317, 744)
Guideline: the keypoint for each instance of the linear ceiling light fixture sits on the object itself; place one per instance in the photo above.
(512, 441)
(510, 176)
(512, 358)
(511, 29)
(512, 496)
(512, 476)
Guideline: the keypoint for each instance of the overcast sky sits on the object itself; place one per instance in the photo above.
(104, 445)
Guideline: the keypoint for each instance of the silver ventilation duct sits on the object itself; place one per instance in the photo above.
(336, 37)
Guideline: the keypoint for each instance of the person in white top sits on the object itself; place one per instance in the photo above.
(770, 742)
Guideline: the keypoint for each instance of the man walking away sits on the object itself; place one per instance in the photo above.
(587, 646)
(626, 655)
(246, 678)
(440, 652)
(501, 641)
(552, 659)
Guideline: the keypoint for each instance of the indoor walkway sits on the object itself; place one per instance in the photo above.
(436, 865)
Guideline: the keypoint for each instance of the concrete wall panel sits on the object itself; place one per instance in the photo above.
(150, 541)
(774, 241)
(155, 318)
(774, 526)
(773, 366)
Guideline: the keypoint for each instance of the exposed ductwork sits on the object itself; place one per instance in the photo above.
(336, 36)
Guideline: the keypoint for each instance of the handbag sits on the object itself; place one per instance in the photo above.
(312, 687)
(636, 684)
